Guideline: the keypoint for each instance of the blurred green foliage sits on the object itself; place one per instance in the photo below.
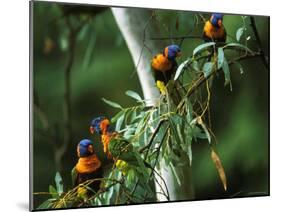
(103, 68)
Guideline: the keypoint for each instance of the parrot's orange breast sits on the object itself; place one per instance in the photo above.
(105, 141)
(213, 32)
(161, 63)
(88, 164)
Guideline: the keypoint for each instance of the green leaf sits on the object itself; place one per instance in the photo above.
(202, 47)
(207, 68)
(201, 123)
(53, 192)
(63, 42)
(239, 33)
(220, 57)
(112, 104)
(175, 173)
(239, 66)
(117, 116)
(59, 184)
(119, 122)
(180, 68)
(189, 153)
(134, 95)
(239, 46)
(46, 204)
(195, 65)
(226, 72)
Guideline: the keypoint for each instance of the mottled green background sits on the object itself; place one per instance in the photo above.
(103, 67)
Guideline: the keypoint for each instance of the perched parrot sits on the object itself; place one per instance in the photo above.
(102, 127)
(164, 64)
(214, 29)
(119, 149)
(114, 145)
(88, 167)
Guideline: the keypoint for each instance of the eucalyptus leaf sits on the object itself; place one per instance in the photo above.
(53, 192)
(206, 131)
(119, 122)
(46, 204)
(189, 153)
(220, 57)
(180, 68)
(59, 184)
(117, 116)
(203, 47)
(175, 173)
(112, 104)
(207, 68)
(134, 95)
(226, 72)
(239, 33)
(195, 65)
(239, 46)
(239, 66)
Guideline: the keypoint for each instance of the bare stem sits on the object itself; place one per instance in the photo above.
(262, 55)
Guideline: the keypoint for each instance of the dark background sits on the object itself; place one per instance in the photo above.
(102, 67)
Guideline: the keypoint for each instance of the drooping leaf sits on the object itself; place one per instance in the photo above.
(240, 67)
(189, 110)
(189, 153)
(134, 95)
(220, 57)
(195, 65)
(239, 33)
(207, 68)
(112, 104)
(175, 120)
(53, 192)
(226, 72)
(203, 47)
(175, 173)
(201, 123)
(180, 68)
(119, 122)
(219, 168)
(59, 184)
(46, 204)
(115, 118)
(238, 46)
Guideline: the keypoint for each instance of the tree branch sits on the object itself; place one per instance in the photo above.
(262, 55)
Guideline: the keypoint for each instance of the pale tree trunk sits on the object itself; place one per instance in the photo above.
(134, 23)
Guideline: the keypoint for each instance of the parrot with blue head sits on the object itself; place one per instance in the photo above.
(119, 149)
(164, 64)
(114, 145)
(101, 126)
(87, 168)
(214, 29)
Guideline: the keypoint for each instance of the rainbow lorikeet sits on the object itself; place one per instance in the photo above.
(214, 29)
(114, 145)
(119, 149)
(164, 64)
(88, 167)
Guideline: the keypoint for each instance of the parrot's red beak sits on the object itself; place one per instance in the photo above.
(219, 23)
(92, 129)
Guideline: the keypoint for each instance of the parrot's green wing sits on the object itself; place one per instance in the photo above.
(117, 146)
(74, 176)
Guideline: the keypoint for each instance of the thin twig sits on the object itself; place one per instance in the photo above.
(153, 136)
(178, 38)
(262, 55)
